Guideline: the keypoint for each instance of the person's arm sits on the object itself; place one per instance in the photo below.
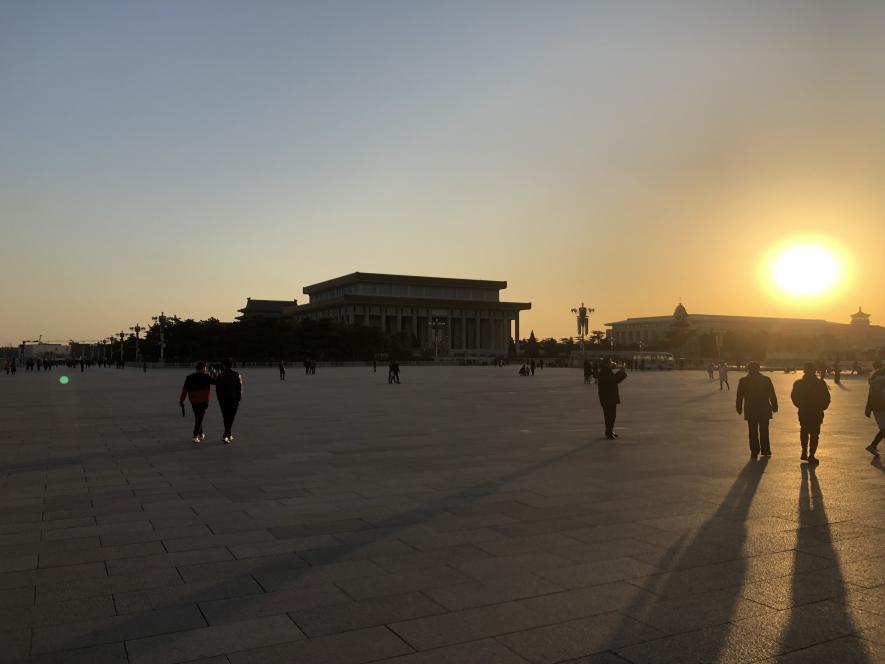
(772, 396)
(739, 399)
(183, 393)
(239, 386)
(827, 398)
(620, 376)
(794, 394)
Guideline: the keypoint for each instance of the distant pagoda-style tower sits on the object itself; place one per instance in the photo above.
(860, 318)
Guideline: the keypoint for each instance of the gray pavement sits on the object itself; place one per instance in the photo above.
(467, 516)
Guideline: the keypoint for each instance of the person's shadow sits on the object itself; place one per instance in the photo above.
(806, 592)
(692, 569)
(877, 464)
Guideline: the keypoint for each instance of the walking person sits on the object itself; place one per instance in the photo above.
(812, 397)
(197, 388)
(837, 372)
(393, 372)
(875, 407)
(723, 376)
(282, 370)
(757, 402)
(607, 381)
(229, 390)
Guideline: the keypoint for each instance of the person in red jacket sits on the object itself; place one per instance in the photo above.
(197, 388)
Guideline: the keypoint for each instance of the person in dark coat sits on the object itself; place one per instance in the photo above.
(609, 395)
(758, 403)
(229, 390)
(812, 397)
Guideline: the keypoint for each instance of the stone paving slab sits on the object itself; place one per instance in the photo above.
(467, 515)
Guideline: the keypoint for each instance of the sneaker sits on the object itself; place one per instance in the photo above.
(196, 439)
(225, 440)
(813, 460)
(872, 450)
(766, 454)
(804, 456)
(202, 437)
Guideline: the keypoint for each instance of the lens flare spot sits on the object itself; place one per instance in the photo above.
(64, 380)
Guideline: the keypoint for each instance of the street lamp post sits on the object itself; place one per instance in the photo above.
(136, 328)
(161, 321)
(582, 314)
(122, 356)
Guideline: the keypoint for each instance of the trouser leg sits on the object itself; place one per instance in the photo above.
(803, 439)
(753, 428)
(815, 438)
(609, 414)
(764, 442)
(199, 412)
(878, 438)
(228, 414)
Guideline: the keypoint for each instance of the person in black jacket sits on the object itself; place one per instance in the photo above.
(758, 403)
(812, 397)
(609, 395)
(229, 390)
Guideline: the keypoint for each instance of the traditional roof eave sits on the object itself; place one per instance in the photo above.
(376, 278)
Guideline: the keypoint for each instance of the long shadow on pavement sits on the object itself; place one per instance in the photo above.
(817, 622)
(699, 595)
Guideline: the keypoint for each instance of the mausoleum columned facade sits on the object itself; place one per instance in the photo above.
(450, 317)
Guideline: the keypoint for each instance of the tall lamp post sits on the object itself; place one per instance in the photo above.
(582, 314)
(161, 321)
(122, 356)
(136, 328)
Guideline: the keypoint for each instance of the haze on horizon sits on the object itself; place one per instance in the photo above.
(181, 156)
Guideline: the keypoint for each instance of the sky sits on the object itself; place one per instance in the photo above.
(183, 155)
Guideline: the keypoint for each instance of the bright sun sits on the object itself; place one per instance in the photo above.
(805, 270)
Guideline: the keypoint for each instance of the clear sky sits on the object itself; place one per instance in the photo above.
(182, 155)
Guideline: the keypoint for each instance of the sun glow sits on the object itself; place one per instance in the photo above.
(805, 270)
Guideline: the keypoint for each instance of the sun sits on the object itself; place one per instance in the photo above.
(805, 270)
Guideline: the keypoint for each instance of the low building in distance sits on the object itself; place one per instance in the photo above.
(264, 308)
(781, 333)
(444, 316)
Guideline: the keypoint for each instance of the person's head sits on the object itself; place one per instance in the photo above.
(227, 363)
(809, 369)
(201, 366)
(753, 367)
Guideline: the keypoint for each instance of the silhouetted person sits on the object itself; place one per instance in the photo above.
(711, 369)
(837, 372)
(607, 381)
(723, 376)
(393, 372)
(229, 390)
(875, 407)
(282, 370)
(812, 397)
(197, 388)
(588, 371)
(532, 367)
(758, 403)
(307, 367)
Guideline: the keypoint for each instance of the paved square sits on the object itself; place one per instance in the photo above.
(467, 515)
